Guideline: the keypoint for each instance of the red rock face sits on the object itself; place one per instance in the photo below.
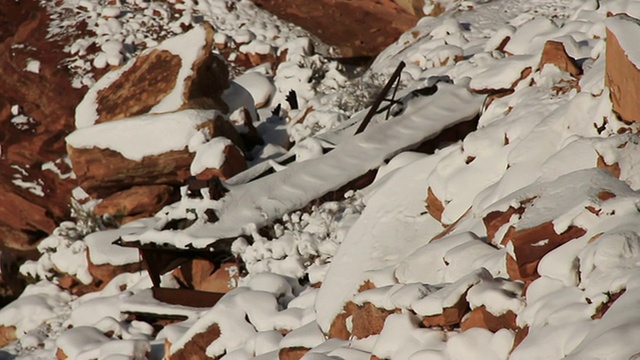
(355, 27)
(555, 53)
(623, 80)
(295, 353)
(24, 216)
(480, 317)
(136, 202)
(450, 317)
(197, 346)
(369, 320)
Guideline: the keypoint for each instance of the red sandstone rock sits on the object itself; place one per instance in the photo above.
(368, 320)
(103, 172)
(338, 327)
(197, 346)
(480, 317)
(51, 117)
(201, 274)
(7, 335)
(295, 353)
(622, 74)
(140, 201)
(450, 317)
(355, 27)
(434, 206)
(152, 76)
(555, 53)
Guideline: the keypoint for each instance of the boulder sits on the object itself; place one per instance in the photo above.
(482, 318)
(37, 97)
(413, 7)
(162, 79)
(104, 162)
(368, 320)
(357, 28)
(339, 329)
(434, 206)
(530, 245)
(136, 202)
(622, 74)
(197, 346)
(294, 353)
(7, 335)
(201, 274)
(555, 53)
(450, 316)
(102, 274)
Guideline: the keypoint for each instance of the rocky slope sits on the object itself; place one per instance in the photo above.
(489, 213)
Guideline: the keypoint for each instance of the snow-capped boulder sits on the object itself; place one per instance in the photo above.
(530, 228)
(555, 53)
(201, 274)
(623, 66)
(180, 73)
(143, 150)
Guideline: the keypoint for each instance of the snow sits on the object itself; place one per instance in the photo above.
(258, 85)
(210, 155)
(145, 135)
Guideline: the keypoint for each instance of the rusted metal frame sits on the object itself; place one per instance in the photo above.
(380, 98)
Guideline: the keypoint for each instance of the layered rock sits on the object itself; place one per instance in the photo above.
(623, 66)
(163, 155)
(201, 274)
(33, 120)
(356, 28)
(555, 53)
(162, 79)
(530, 233)
(136, 202)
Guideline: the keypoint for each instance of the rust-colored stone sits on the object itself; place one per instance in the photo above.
(137, 90)
(294, 353)
(338, 328)
(201, 274)
(434, 206)
(614, 168)
(356, 27)
(604, 307)
(622, 77)
(480, 317)
(555, 53)
(7, 335)
(196, 347)
(450, 316)
(139, 200)
(60, 355)
(234, 163)
(154, 75)
(368, 320)
(521, 334)
(530, 245)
